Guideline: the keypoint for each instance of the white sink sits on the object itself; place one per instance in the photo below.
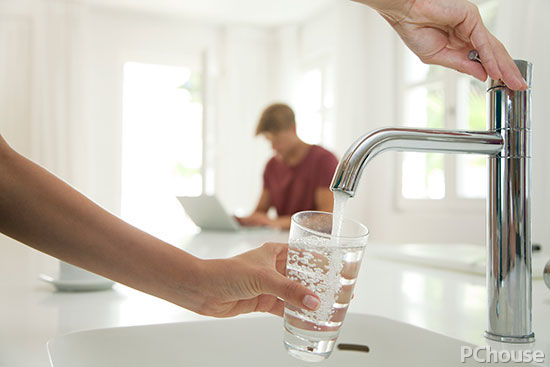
(254, 341)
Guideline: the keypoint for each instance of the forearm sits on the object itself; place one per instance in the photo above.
(262, 207)
(264, 203)
(393, 10)
(40, 210)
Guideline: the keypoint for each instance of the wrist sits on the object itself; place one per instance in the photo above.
(394, 11)
(187, 283)
(213, 287)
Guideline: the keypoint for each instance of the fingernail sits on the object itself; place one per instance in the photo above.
(519, 83)
(524, 83)
(311, 302)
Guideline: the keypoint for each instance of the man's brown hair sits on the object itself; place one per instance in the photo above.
(276, 117)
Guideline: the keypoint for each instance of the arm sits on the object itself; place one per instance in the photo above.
(264, 203)
(45, 213)
(324, 201)
(282, 222)
(259, 215)
(443, 32)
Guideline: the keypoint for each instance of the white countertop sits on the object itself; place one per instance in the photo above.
(31, 312)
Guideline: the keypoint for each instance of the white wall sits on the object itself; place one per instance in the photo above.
(247, 84)
(36, 67)
(15, 98)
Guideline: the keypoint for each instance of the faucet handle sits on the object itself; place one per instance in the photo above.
(474, 56)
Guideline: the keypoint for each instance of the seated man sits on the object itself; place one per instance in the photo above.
(296, 178)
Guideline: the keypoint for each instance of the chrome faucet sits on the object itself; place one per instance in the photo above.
(507, 143)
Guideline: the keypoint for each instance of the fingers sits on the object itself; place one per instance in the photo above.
(277, 252)
(458, 60)
(450, 40)
(263, 303)
(243, 221)
(480, 40)
(509, 71)
(495, 59)
(293, 292)
(273, 281)
(278, 308)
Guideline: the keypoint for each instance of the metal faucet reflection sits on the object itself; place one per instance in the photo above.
(507, 143)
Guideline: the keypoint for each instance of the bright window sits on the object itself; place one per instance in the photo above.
(423, 173)
(471, 173)
(161, 147)
(436, 97)
(314, 102)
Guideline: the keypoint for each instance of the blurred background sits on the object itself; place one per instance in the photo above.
(136, 101)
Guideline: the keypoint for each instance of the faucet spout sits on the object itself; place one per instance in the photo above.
(353, 162)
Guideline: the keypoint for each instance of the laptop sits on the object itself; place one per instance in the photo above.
(208, 213)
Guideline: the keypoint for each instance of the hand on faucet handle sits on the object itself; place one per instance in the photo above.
(443, 32)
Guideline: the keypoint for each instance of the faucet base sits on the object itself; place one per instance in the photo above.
(510, 339)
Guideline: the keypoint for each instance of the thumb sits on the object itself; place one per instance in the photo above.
(291, 291)
(457, 59)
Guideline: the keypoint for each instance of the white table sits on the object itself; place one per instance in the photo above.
(31, 312)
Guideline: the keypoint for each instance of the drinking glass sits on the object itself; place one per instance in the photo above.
(328, 265)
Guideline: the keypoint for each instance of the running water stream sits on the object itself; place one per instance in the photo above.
(340, 201)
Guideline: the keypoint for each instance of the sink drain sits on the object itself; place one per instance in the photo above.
(354, 347)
